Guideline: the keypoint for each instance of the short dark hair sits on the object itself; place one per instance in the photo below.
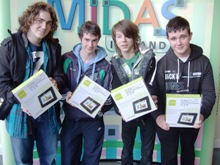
(90, 27)
(32, 11)
(130, 30)
(177, 23)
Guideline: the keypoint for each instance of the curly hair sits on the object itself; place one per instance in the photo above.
(130, 30)
(32, 11)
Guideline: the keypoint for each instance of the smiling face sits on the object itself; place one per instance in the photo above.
(89, 43)
(39, 28)
(180, 42)
(125, 44)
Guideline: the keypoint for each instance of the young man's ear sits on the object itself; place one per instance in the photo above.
(190, 35)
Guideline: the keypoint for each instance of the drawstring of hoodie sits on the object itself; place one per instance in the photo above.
(154, 73)
(178, 70)
(93, 71)
(188, 75)
(79, 72)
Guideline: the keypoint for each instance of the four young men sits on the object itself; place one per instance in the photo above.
(35, 37)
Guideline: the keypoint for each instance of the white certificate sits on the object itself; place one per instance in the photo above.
(89, 96)
(133, 99)
(37, 94)
(182, 110)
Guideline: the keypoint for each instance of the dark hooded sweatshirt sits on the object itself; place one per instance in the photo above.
(194, 76)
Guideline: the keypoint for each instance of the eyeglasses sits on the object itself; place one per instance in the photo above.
(40, 21)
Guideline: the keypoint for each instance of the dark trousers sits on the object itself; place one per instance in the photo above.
(72, 135)
(147, 134)
(170, 141)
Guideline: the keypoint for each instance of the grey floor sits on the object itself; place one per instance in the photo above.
(117, 163)
(215, 161)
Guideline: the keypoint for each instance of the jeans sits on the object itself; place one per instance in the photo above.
(73, 133)
(46, 144)
(147, 134)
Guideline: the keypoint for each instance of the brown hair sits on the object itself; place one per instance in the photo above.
(32, 11)
(90, 27)
(130, 30)
(177, 23)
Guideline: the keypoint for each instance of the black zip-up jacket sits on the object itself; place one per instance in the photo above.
(194, 76)
(13, 63)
